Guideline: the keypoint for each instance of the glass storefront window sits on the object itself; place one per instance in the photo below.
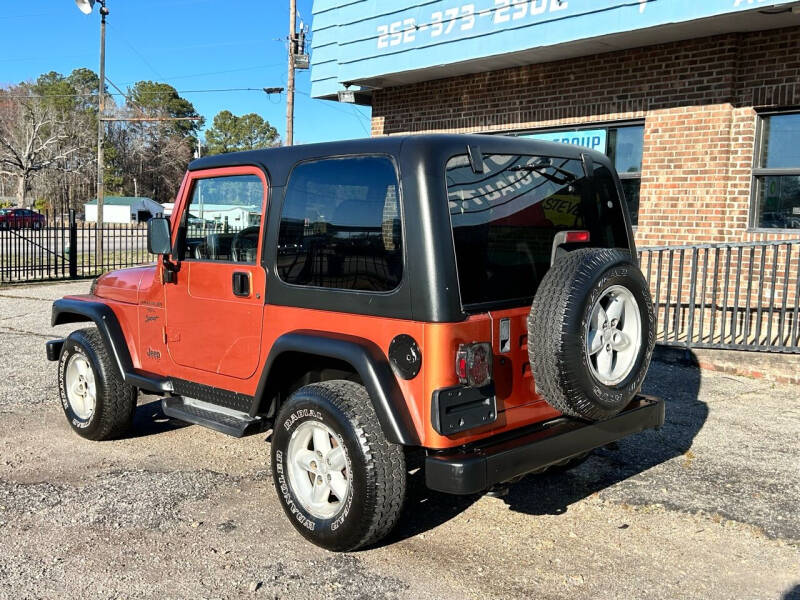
(625, 148)
(623, 145)
(776, 185)
(779, 137)
(630, 188)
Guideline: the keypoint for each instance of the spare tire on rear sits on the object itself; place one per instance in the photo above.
(591, 332)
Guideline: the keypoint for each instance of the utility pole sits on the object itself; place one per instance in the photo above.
(290, 79)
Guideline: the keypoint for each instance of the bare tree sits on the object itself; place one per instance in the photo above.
(34, 137)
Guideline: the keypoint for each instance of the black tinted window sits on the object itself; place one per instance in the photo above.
(340, 225)
(504, 220)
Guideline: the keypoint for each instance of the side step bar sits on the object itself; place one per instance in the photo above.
(476, 468)
(218, 418)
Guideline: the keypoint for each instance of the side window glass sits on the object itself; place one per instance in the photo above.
(341, 227)
(223, 220)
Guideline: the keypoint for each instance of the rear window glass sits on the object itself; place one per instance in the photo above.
(505, 219)
(341, 227)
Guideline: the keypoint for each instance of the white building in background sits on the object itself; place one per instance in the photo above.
(218, 214)
(124, 209)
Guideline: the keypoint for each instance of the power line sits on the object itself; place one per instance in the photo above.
(139, 54)
(114, 85)
(46, 58)
(332, 105)
(335, 106)
(225, 72)
(208, 91)
(5, 17)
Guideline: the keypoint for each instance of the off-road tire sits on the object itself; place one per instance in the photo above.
(558, 324)
(377, 468)
(115, 404)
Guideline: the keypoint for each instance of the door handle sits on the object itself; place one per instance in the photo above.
(241, 284)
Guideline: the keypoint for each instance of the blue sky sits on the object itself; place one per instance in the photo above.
(190, 44)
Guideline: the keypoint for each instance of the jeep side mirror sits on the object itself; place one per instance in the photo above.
(158, 237)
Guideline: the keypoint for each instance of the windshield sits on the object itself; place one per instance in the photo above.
(505, 219)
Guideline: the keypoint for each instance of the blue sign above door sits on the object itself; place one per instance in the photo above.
(367, 40)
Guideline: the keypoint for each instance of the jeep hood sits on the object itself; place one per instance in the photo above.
(124, 285)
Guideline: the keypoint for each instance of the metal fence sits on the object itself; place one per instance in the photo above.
(731, 296)
(55, 245)
(58, 246)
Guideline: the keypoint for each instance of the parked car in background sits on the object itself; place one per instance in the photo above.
(21, 218)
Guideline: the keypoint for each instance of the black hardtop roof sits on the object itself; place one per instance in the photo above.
(279, 161)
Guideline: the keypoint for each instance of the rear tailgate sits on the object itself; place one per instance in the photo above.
(513, 379)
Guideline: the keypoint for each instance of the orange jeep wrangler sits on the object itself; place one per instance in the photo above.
(472, 299)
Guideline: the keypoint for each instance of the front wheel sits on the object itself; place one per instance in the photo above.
(96, 401)
(340, 482)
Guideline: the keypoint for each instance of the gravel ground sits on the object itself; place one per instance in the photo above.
(707, 507)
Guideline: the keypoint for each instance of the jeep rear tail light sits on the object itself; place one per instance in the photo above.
(577, 237)
(474, 364)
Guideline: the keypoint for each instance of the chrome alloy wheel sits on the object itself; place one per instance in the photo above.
(81, 387)
(318, 473)
(615, 335)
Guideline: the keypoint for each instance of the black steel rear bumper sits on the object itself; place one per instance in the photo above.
(477, 468)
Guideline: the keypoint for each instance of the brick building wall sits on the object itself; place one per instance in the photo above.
(697, 98)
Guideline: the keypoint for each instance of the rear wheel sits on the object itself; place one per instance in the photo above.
(340, 482)
(96, 401)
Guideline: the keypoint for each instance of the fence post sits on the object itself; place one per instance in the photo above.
(73, 245)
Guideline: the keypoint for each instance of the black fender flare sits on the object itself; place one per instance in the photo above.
(67, 310)
(368, 361)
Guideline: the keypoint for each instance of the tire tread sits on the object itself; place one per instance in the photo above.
(118, 399)
(557, 303)
(385, 462)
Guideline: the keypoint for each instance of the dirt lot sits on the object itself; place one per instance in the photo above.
(707, 507)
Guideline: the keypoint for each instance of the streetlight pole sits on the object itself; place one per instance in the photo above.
(86, 6)
(101, 130)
